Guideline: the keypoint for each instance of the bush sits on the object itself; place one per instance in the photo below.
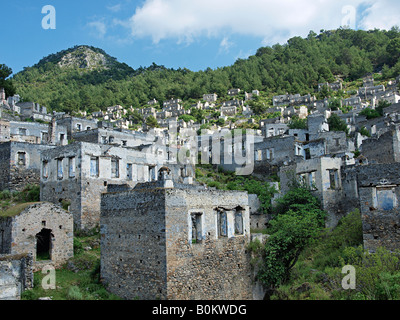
(377, 274)
(337, 124)
(388, 286)
(95, 273)
(32, 193)
(5, 194)
(74, 293)
(297, 123)
(298, 222)
(78, 247)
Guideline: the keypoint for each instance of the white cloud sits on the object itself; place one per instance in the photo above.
(382, 14)
(115, 8)
(268, 19)
(99, 28)
(225, 45)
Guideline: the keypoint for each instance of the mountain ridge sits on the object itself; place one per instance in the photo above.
(95, 80)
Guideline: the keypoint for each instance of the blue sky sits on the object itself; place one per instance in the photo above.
(193, 34)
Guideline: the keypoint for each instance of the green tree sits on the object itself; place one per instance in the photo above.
(393, 50)
(152, 122)
(337, 124)
(186, 118)
(291, 233)
(5, 82)
(299, 220)
(135, 117)
(297, 123)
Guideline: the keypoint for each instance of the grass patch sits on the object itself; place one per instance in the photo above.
(78, 278)
(16, 209)
(30, 194)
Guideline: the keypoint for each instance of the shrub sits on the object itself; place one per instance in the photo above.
(5, 194)
(337, 124)
(74, 293)
(78, 247)
(32, 193)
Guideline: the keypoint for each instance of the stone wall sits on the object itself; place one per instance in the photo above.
(324, 177)
(383, 149)
(4, 165)
(14, 175)
(379, 196)
(133, 254)
(15, 275)
(146, 239)
(19, 233)
(216, 267)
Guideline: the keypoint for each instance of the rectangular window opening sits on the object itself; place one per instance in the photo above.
(196, 233)
(114, 168)
(239, 222)
(71, 166)
(94, 166)
(222, 223)
(60, 173)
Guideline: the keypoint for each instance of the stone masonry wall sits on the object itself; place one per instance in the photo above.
(216, 267)
(26, 225)
(379, 195)
(133, 253)
(147, 251)
(15, 176)
(15, 275)
(4, 165)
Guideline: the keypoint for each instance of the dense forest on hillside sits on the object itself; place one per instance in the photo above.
(295, 67)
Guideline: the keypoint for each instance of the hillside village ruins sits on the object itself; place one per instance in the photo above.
(163, 235)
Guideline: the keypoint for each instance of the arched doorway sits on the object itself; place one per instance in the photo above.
(43, 244)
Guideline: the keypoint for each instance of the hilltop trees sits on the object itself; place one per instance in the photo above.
(295, 67)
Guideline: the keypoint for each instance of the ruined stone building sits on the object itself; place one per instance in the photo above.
(293, 100)
(379, 195)
(16, 273)
(335, 86)
(74, 124)
(43, 230)
(114, 137)
(211, 97)
(354, 102)
(369, 92)
(33, 132)
(233, 92)
(383, 148)
(75, 175)
(34, 111)
(20, 164)
(228, 111)
(272, 153)
(79, 172)
(166, 241)
(274, 129)
(324, 178)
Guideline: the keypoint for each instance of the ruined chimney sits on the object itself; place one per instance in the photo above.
(52, 131)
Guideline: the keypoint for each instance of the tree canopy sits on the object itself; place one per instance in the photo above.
(295, 67)
(5, 81)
